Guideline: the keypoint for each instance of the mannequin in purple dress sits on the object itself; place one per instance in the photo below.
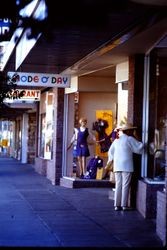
(82, 150)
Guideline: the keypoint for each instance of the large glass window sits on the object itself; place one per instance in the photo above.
(46, 129)
(6, 137)
(42, 134)
(157, 116)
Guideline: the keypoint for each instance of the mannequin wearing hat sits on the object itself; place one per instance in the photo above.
(121, 153)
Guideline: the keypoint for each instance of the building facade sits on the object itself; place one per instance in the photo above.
(133, 89)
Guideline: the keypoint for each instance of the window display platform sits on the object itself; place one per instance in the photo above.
(161, 228)
(74, 182)
(147, 197)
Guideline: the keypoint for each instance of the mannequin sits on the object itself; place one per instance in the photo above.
(82, 150)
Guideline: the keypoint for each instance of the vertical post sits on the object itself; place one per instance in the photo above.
(65, 130)
(145, 114)
(24, 138)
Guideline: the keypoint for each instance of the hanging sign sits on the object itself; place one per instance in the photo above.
(30, 94)
(40, 79)
(5, 29)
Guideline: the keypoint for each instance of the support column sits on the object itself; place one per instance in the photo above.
(24, 138)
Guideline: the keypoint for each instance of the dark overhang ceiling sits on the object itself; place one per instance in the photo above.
(77, 28)
(11, 113)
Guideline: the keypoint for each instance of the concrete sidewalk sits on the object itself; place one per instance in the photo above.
(34, 213)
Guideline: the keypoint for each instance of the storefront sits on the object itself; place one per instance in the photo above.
(7, 129)
(94, 98)
(152, 187)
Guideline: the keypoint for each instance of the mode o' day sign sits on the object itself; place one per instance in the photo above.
(40, 79)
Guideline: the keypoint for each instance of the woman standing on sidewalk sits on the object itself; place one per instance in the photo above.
(121, 152)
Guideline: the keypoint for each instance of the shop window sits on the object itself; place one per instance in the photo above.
(42, 134)
(46, 131)
(6, 137)
(157, 119)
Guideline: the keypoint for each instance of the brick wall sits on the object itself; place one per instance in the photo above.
(59, 135)
(32, 123)
(130, 115)
(161, 216)
(135, 98)
(147, 198)
(134, 116)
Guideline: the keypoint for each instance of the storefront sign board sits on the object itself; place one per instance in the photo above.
(40, 79)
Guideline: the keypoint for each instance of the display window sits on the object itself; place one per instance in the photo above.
(157, 117)
(6, 137)
(46, 129)
(42, 134)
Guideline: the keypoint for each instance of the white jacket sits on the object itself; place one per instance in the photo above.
(121, 152)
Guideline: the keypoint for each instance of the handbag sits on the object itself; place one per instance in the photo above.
(109, 166)
(108, 169)
(112, 177)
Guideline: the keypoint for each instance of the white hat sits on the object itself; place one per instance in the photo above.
(127, 126)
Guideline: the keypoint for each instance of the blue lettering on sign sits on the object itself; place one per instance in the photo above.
(59, 80)
(23, 78)
(29, 79)
(44, 79)
(53, 80)
(65, 80)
